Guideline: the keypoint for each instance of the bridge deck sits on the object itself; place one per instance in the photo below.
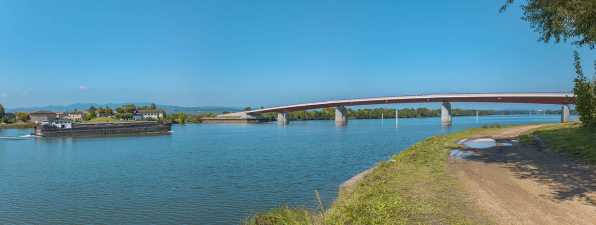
(517, 97)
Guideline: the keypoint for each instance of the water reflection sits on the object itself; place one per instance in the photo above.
(446, 128)
(481, 143)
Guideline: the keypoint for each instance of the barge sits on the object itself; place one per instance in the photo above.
(66, 128)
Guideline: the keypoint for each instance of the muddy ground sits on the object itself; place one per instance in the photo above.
(526, 185)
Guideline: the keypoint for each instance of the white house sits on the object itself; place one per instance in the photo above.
(151, 113)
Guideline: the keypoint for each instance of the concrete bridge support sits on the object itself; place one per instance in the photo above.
(341, 114)
(446, 113)
(565, 116)
(283, 118)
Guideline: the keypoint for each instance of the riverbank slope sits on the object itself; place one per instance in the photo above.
(17, 125)
(424, 185)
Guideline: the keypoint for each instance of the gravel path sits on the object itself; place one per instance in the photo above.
(523, 185)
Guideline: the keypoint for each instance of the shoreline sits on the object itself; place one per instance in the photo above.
(402, 189)
(18, 126)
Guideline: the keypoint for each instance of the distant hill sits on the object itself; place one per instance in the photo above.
(168, 108)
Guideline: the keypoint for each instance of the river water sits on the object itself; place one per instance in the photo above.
(200, 173)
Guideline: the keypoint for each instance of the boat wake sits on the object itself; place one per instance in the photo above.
(18, 137)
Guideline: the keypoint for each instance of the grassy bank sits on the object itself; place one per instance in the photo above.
(415, 188)
(17, 125)
(569, 139)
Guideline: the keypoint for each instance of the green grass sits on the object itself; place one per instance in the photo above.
(17, 125)
(414, 189)
(570, 139)
(525, 139)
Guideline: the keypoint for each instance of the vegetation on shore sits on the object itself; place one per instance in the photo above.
(413, 189)
(525, 139)
(569, 139)
(378, 113)
(17, 125)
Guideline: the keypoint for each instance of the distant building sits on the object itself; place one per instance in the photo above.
(158, 113)
(40, 116)
(77, 115)
(97, 114)
(60, 115)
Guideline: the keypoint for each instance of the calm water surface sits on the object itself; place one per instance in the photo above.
(200, 173)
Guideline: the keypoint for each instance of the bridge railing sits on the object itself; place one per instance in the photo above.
(414, 96)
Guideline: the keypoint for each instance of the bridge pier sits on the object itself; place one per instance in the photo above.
(341, 114)
(283, 118)
(446, 113)
(565, 116)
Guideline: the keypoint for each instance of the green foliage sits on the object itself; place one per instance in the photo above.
(182, 117)
(525, 139)
(130, 109)
(247, 109)
(496, 125)
(225, 112)
(2, 113)
(284, 215)
(125, 116)
(21, 116)
(561, 20)
(329, 113)
(153, 107)
(585, 102)
(106, 111)
(570, 139)
(90, 116)
(18, 125)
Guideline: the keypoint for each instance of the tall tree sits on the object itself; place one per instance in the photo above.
(23, 116)
(561, 20)
(153, 107)
(585, 102)
(2, 111)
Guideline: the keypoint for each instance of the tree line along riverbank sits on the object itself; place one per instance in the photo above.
(378, 113)
(417, 187)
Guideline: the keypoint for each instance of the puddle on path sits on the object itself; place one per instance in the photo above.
(481, 143)
(461, 141)
(507, 144)
(457, 154)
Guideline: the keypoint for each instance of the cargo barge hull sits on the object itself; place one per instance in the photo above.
(103, 129)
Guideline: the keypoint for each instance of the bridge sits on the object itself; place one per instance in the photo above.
(341, 112)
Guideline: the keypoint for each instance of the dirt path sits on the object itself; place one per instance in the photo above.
(521, 185)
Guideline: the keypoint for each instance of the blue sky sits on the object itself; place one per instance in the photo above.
(269, 53)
